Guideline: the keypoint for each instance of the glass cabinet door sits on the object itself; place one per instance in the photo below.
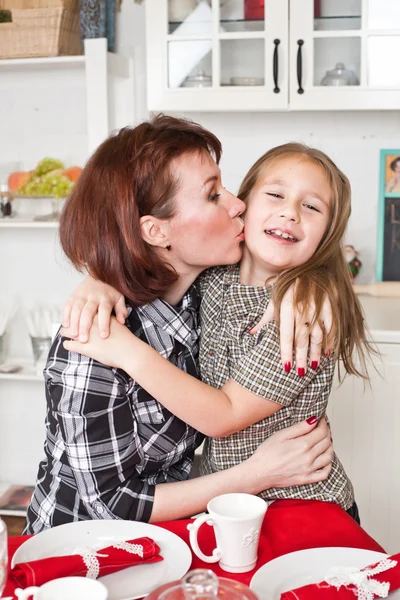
(383, 43)
(217, 54)
(342, 54)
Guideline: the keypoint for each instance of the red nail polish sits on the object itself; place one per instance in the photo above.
(300, 372)
(251, 330)
(327, 353)
(287, 367)
(312, 420)
(314, 365)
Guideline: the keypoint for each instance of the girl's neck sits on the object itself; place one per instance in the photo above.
(254, 272)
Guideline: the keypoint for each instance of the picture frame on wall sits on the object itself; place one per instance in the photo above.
(388, 246)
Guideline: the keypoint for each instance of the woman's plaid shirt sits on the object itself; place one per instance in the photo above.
(108, 442)
(228, 310)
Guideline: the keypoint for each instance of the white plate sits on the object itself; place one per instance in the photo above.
(128, 584)
(296, 569)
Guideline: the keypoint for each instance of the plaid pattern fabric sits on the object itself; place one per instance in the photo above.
(228, 311)
(108, 442)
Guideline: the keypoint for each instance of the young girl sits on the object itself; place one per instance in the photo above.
(298, 205)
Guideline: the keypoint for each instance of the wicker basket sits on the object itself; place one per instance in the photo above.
(36, 32)
(17, 4)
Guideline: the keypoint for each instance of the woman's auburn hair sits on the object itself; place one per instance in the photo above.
(326, 273)
(130, 175)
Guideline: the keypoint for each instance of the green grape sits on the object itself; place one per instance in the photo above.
(51, 184)
(46, 165)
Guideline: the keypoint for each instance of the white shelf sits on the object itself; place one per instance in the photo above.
(117, 65)
(27, 373)
(27, 222)
(45, 62)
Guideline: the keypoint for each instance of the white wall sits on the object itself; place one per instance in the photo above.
(352, 139)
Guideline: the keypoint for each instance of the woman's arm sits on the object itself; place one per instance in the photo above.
(233, 408)
(297, 455)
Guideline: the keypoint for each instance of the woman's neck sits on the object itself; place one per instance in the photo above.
(178, 289)
(254, 272)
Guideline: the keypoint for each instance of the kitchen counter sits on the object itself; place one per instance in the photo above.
(382, 316)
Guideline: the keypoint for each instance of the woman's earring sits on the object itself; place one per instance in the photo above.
(168, 247)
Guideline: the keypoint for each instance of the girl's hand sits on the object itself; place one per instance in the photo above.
(110, 351)
(294, 327)
(92, 297)
(297, 455)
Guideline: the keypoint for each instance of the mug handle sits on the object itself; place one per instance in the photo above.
(193, 529)
(26, 593)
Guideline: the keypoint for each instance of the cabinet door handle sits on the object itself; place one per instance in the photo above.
(300, 67)
(275, 65)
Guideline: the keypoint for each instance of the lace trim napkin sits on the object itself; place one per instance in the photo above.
(341, 583)
(88, 562)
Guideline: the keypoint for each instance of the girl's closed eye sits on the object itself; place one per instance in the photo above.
(274, 195)
(312, 207)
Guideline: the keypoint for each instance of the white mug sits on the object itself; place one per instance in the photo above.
(65, 588)
(237, 521)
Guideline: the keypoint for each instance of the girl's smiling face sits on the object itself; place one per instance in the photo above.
(287, 215)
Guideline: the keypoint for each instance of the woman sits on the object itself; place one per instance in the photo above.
(147, 216)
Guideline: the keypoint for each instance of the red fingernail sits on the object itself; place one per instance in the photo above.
(287, 367)
(327, 353)
(312, 420)
(314, 365)
(300, 372)
(251, 330)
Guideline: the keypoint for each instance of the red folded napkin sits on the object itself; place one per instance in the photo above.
(88, 562)
(374, 581)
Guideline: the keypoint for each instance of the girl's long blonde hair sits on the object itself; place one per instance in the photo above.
(326, 272)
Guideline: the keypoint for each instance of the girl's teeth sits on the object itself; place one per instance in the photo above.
(282, 234)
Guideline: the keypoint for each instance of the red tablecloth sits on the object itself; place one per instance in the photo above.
(289, 525)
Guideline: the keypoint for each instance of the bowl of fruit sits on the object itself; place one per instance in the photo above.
(49, 180)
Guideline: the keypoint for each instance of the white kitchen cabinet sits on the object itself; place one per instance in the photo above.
(274, 60)
(62, 107)
(365, 421)
(363, 35)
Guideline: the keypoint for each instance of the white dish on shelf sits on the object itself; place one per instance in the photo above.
(128, 584)
(7, 368)
(246, 81)
(304, 567)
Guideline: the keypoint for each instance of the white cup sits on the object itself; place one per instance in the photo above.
(65, 588)
(237, 521)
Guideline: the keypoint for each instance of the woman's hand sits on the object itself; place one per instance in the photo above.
(92, 297)
(109, 351)
(294, 328)
(297, 455)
